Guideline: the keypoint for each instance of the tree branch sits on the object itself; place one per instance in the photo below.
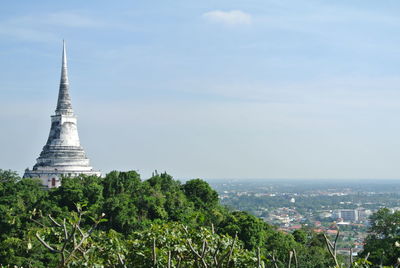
(274, 260)
(65, 229)
(295, 258)
(258, 258)
(54, 221)
(290, 258)
(154, 252)
(46, 245)
(332, 249)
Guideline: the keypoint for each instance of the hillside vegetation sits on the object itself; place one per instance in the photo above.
(123, 221)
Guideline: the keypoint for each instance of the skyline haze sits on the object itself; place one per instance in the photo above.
(217, 89)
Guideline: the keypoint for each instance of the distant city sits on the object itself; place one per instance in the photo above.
(323, 206)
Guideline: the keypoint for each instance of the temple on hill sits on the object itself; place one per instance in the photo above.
(63, 154)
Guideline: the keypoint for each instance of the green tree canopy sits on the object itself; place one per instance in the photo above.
(383, 235)
(201, 194)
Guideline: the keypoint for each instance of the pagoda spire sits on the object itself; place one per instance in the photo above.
(64, 106)
(63, 154)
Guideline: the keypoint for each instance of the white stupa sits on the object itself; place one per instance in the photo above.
(63, 153)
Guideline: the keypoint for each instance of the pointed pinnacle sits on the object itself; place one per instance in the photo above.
(64, 105)
(64, 68)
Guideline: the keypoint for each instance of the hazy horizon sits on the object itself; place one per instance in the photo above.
(211, 89)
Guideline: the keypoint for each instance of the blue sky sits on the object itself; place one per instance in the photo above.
(210, 89)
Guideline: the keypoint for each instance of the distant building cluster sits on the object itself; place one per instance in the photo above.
(295, 205)
(351, 215)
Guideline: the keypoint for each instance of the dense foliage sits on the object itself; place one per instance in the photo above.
(122, 221)
(383, 242)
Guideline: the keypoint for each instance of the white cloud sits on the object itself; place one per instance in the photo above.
(233, 17)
